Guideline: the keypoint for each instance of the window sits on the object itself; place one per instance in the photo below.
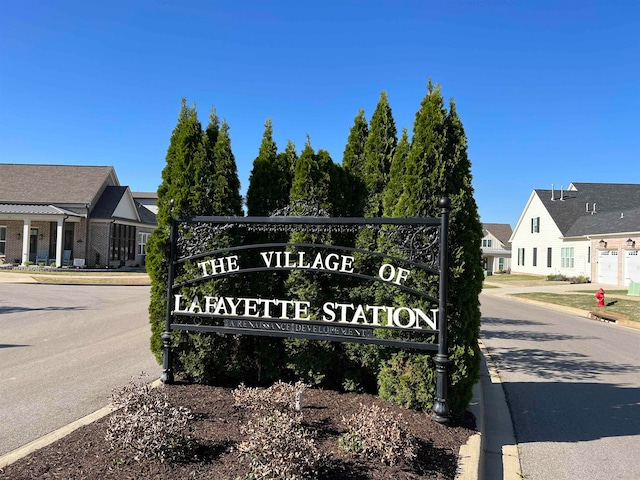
(521, 256)
(143, 238)
(501, 264)
(486, 242)
(566, 257)
(3, 240)
(549, 257)
(535, 257)
(535, 225)
(123, 240)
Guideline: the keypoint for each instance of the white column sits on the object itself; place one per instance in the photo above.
(26, 232)
(59, 240)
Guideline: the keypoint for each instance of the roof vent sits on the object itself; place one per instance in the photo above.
(621, 214)
(552, 194)
(587, 208)
(594, 208)
(562, 193)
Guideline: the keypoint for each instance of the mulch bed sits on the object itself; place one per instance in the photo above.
(85, 454)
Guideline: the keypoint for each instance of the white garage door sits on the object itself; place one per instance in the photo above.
(631, 266)
(608, 267)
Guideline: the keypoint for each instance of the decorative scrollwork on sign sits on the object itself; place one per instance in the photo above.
(198, 237)
(300, 209)
(418, 243)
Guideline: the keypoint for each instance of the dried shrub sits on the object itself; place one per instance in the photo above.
(373, 432)
(279, 396)
(145, 424)
(280, 447)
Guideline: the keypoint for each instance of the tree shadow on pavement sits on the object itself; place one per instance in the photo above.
(572, 412)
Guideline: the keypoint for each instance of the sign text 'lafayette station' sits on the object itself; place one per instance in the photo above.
(298, 310)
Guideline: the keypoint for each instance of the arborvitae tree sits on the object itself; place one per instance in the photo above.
(207, 171)
(185, 155)
(353, 164)
(316, 362)
(226, 198)
(453, 179)
(393, 189)
(267, 185)
(378, 154)
(437, 166)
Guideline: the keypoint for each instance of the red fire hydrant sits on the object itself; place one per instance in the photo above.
(600, 297)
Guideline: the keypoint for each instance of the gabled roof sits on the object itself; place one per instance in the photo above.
(572, 209)
(53, 184)
(108, 202)
(502, 231)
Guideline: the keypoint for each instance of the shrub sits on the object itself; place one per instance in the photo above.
(556, 277)
(145, 424)
(280, 447)
(280, 396)
(375, 433)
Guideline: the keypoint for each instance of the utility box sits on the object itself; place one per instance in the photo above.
(634, 289)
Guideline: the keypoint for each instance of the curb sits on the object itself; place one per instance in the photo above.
(499, 452)
(48, 439)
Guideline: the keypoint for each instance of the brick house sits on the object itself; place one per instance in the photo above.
(67, 215)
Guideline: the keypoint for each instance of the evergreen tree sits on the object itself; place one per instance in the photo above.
(270, 179)
(207, 171)
(353, 164)
(225, 196)
(378, 154)
(185, 155)
(394, 187)
(317, 362)
(437, 166)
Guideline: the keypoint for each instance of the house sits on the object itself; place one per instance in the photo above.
(589, 229)
(67, 215)
(496, 248)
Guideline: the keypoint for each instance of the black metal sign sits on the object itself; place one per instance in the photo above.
(204, 249)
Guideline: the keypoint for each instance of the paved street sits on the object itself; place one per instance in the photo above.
(63, 348)
(573, 388)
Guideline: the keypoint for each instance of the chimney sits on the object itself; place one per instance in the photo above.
(552, 194)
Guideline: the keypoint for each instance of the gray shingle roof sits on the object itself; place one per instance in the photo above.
(502, 231)
(573, 215)
(51, 184)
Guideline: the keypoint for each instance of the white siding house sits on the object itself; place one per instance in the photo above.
(588, 230)
(496, 249)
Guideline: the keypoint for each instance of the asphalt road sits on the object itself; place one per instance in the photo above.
(63, 348)
(573, 389)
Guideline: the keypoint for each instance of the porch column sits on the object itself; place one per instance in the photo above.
(59, 240)
(26, 232)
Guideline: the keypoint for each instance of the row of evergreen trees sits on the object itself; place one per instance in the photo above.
(379, 176)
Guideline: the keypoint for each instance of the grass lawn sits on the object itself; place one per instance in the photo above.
(621, 306)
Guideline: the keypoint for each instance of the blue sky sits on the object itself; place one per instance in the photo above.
(548, 91)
